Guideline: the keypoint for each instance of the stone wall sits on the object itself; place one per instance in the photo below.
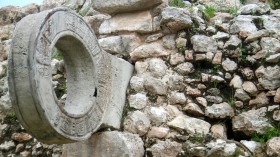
(203, 85)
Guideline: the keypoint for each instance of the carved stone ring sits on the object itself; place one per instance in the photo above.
(96, 81)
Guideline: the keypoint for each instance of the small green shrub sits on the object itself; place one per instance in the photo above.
(274, 4)
(243, 1)
(233, 11)
(270, 133)
(209, 12)
(215, 69)
(177, 3)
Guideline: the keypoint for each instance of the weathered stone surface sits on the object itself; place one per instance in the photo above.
(50, 4)
(271, 23)
(158, 132)
(165, 148)
(177, 58)
(137, 122)
(157, 67)
(251, 121)
(257, 35)
(250, 87)
(202, 101)
(193, 91)
(141, 22)
(168, 41)
(104, 144)
(272, 45)
(185, 68)
(190, 125)
(175, 19)
(277, 96)
(273, 146)
(193, 109)
(120, 6)
(155, 86)
(96, 20)
(20, 137)
(241, 95)
(158, 115)
(254, 9)
(248, 73)
(219, 131)
(175, 82)
(123, 45)
(229, 65)
(276, 115)
(202, 43)
(219, 111)
(220, 36)
(177, 98)
(236, 82)
(82, 106)
(138, 101)
(274, 58)
(243, 24)
(222, 5)
(137, 83)
(269, 77)
(7, 145)
(149, 50)
(260, 100)
(233, 42)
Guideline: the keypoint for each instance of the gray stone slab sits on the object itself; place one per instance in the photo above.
(93, 77)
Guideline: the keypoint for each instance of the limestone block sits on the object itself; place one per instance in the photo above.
(120, 6)
(141, 22)
(105, 144)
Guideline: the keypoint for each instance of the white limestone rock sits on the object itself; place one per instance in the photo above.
(165, 148)
(273, 146)
(137, 122)
(120, 6)
(138, 101)
(219, 111)
(177, 98)
(175, 19)
(202, 43)
(251, 121)
(229, 65)
(269, 77)
(190, 125)
(155, 86)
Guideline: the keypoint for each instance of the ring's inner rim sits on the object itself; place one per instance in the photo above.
(80, 76)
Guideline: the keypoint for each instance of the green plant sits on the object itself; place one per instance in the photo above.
(269, 133)
(56, 54)
(215, 69)
(197, 138)
(242, 1)
(244, 54)
(83, 12)
(177, 3)
(10, 118)
(209, 12)
(233, 11)
(274, 4)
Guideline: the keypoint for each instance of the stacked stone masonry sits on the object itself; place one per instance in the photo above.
(201, 86)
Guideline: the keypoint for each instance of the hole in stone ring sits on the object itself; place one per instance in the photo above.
(73, 90)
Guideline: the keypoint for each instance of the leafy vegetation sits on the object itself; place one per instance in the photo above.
(177, 3)
(270, 133)
(274, 4)
(209, 12)
(56, 54)
(233, 11)
(215, 69)
(243, 1)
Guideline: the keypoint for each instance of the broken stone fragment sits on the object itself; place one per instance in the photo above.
(219, 111)
(165, 148)
(120, 6)
(190, 125)
(202, 43)
(137, 122)
(175, 19)
(251, 121)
